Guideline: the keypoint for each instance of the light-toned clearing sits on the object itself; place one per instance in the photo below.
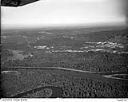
(115, 76)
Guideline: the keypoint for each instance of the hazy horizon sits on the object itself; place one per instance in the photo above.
(56, 13)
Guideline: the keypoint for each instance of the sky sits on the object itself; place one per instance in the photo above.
(45, 13)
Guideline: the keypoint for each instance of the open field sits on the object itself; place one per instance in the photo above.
(86, 62)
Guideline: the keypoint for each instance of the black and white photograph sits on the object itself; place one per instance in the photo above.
(66, 49)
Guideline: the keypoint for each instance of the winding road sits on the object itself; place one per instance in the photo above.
(90, 74)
